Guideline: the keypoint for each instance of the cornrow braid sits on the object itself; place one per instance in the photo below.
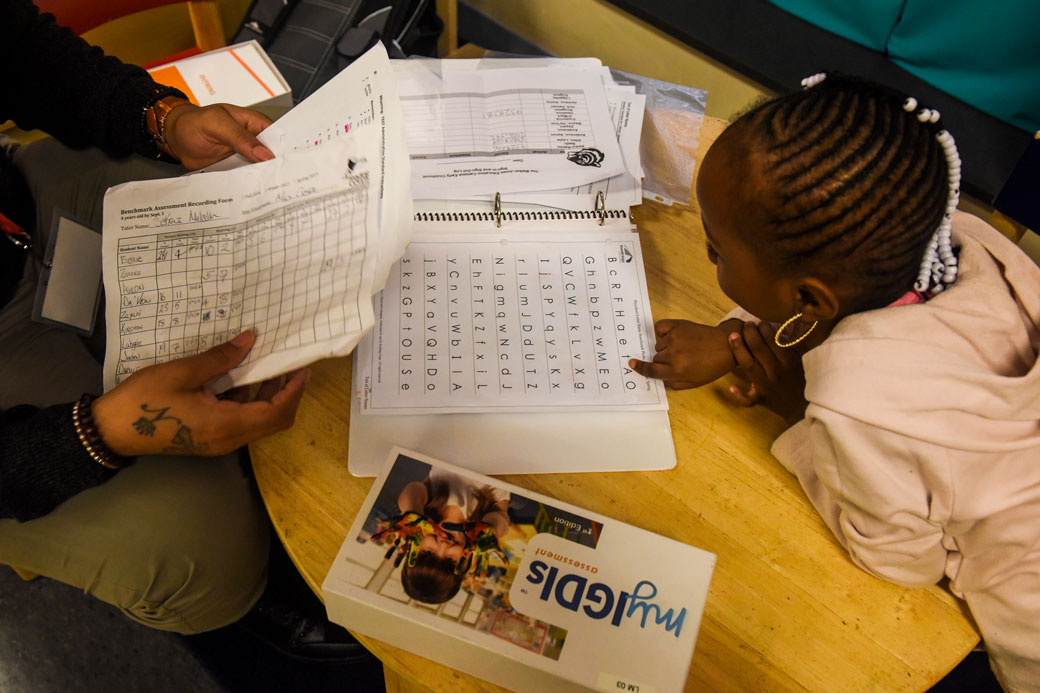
(859, 183)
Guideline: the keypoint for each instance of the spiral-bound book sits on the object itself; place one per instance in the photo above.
(502, 341)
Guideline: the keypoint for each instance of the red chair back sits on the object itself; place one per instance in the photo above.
(83, 15)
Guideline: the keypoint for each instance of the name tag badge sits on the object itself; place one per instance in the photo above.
(69, 288)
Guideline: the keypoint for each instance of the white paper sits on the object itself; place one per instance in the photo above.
(620, 191)
(361, 99)
(470, 64)
(512, 323)
(507, 130)
(283, 248)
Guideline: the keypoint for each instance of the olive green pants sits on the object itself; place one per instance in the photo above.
(176, 543)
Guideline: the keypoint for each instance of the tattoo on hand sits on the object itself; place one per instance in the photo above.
(182, 444)
(146, 426)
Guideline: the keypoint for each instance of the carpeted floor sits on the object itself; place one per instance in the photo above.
(54, 639)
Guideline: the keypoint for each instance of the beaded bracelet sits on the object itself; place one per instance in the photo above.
(86, 429)
(155, 116)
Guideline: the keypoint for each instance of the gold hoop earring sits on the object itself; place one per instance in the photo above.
(776, 337)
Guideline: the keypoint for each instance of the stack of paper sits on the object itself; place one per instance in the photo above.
(537, 131)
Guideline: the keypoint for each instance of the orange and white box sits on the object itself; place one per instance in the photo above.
(241, 74)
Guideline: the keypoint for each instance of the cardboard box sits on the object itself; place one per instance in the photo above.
(574, 601)
(241, 74)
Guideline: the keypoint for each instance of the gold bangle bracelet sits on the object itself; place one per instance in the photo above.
(90, 438)
(155, 121)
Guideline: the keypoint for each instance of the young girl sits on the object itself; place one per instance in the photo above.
(905, 360)
(463, 524)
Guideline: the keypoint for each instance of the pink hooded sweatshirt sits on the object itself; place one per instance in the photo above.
(920, 446)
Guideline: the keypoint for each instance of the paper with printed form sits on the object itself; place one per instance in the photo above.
(514, 130)
(625, 189)
(286, 248)
(530, 322)
(626, 113)
(362, 98)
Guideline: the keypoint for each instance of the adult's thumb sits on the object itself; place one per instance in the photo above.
(241, 128)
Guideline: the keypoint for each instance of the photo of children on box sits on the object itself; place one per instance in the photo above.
(517, 575)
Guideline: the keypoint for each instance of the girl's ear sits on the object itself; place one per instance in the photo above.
(816, 300)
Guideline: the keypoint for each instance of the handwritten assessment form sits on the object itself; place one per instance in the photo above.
(516, 323)
(186, 291)
(285, 248)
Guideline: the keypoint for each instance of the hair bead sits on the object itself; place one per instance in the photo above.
(813, 80)
(939, 264)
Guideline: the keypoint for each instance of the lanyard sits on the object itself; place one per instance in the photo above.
(16, 234)
(21, 239)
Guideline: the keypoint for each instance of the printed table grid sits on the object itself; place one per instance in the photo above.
(522, 121)
(527, 326)
(288, 275)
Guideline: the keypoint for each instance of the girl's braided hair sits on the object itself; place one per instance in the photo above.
(859, 182)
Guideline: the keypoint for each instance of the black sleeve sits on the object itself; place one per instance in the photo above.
(56, 82)
(42, 462)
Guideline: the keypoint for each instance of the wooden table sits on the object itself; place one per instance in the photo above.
(787, 609)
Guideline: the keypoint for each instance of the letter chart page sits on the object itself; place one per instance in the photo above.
(511, 323)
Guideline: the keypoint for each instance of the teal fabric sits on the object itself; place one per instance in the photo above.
(867, 22)
(984, 53)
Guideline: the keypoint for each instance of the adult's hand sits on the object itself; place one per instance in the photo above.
(167, 408)
(200, 136)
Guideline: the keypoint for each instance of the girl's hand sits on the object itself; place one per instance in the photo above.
(167, 408)
(200, 136)
(776, 374)
(689, 354)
